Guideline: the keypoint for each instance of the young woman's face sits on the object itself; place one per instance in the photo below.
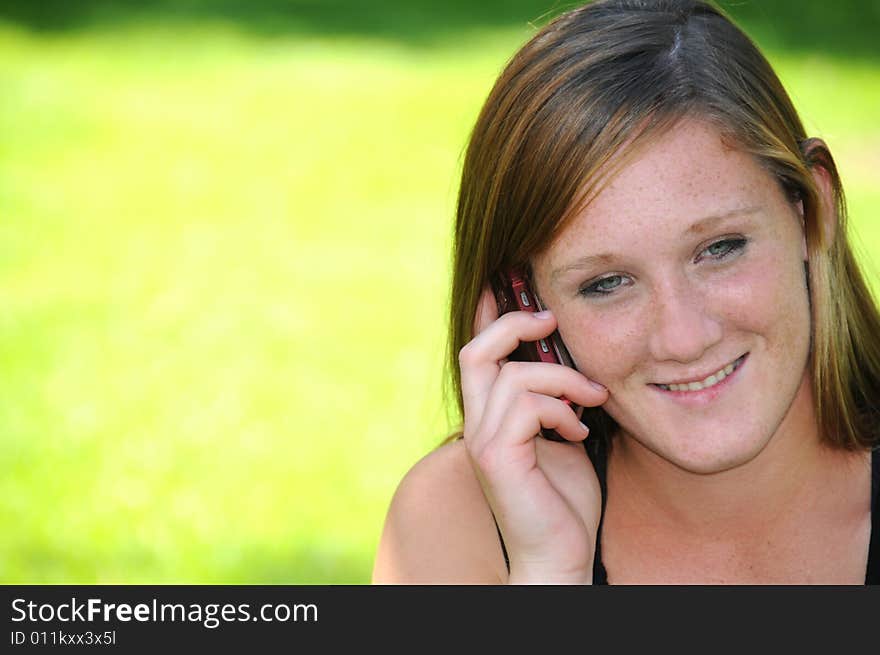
(688, 267)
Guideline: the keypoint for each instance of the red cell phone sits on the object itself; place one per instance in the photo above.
(513, 293)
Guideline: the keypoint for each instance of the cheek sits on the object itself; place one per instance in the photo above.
(770, 300)
(605, 346)
(747, 299)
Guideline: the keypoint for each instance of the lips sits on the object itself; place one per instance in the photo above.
(708, 382)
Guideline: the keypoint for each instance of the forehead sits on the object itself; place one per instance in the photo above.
(672, 181)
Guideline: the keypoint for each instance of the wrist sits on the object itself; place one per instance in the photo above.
(537, 575)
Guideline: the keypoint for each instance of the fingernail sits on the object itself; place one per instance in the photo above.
(597, 386)
(545, 314)
(586, 429)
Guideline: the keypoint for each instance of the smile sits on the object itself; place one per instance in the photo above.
(707, 382)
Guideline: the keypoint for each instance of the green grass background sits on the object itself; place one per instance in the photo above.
(224, 237)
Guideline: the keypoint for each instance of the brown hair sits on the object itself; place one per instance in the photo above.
(604, 78)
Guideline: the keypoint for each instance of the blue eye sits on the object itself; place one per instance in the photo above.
(718, 251)
(603, 287)
(726, 247)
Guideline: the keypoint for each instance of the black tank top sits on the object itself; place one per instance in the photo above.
(597, 452)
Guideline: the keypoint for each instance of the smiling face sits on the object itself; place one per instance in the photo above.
(687, 269)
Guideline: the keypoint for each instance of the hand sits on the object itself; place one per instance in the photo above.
(545, 494)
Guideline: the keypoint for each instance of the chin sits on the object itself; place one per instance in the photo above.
(709, 463)
(720, 453)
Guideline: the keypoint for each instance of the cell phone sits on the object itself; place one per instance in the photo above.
(513, 293)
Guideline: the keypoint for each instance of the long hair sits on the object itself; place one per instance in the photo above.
(603, 79)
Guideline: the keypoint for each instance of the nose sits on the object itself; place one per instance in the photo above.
(684, 326)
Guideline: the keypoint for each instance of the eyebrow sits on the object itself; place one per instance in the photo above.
(702, 225)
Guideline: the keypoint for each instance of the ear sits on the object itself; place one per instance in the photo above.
(823, 169)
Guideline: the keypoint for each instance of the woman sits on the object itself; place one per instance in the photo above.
(642, 163)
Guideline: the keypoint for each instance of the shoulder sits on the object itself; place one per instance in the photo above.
(439, 528)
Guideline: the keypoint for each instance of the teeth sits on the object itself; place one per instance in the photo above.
(710, 381)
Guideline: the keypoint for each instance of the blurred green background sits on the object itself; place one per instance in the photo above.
(224, 237)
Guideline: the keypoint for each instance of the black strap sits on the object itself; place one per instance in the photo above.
(503, 547)
(598, 453)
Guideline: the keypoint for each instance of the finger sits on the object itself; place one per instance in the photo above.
(501, 337)
(480, 359)
(512, 442)
(550, 380)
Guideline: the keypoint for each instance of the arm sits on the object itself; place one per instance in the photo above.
(439, 529)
